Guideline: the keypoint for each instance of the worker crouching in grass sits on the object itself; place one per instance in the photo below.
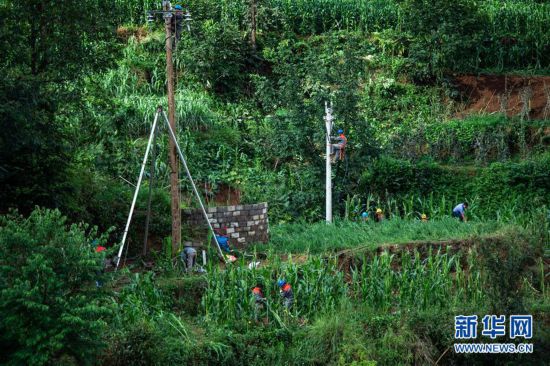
(188, 257)
(286, 294)
(460, 211)
(107, 262)
(222, 240)
(379, 216)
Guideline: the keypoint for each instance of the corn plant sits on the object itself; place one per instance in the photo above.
(521, 31)
(134, 11)
(317, 284)
(438, 280)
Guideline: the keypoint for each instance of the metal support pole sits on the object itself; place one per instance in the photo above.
(328, 178)
(151, 183)
(184, 162)
(137, 188)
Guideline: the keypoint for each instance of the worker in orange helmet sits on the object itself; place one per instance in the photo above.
(259, 300)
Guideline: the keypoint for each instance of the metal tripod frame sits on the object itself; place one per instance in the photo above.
(152, 135)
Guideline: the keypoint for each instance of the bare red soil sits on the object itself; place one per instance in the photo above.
(483, 93)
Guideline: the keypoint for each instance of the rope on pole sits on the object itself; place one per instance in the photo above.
(193, 184)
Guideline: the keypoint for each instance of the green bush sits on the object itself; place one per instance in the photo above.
(49, 301)
(504, 261)
(387, 175)
(525, 184)
(186, 292)
(503, 189)
(106, 202)
(137, 345)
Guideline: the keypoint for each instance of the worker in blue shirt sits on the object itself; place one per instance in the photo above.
(177, 22)
(460, 210)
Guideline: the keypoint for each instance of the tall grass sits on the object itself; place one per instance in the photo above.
(523, 27)
(384, 282)
(437, 206)
(316, 16)
(318, 287)
(320, 237)
(381, 283)
(133, 11)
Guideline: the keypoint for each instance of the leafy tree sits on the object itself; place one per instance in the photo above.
(34, 151)
(46, 47)
(49, 302)
(55, 41)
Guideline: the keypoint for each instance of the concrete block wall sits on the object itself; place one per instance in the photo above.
(245, 224)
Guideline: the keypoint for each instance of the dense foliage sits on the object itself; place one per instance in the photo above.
(50, 305)
(361, 308)
(46, 50)
(81, 82)
(251, 114)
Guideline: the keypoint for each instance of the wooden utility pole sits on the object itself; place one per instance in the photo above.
(253, 16)
(174, 183)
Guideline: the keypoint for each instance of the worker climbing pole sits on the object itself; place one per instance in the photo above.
(334, 152)
(339, 148)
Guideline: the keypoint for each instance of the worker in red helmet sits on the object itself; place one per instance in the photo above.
(259, 300)
(100, 249)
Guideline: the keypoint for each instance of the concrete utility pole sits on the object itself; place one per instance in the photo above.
(174, 184)
(328, 185)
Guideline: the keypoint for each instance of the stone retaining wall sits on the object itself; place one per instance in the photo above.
(245, 223)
